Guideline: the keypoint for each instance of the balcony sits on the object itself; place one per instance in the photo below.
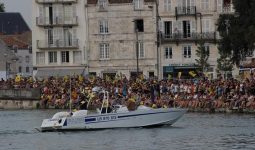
(185, 11)
(56, 21)
(55, 1)
(228, 9)
(57, 44)
(193, 37)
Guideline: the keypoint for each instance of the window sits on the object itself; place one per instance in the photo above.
(139, 25)
(30, 49)
(102, 4)
(65, 57)
(27, 59)
(167, 5)
(15, 48)
(52, 57)
(168, 53)
(204, 4)
(140, 50)
(40, 58)
(207, 49)
(77, 57)
(187, 51)
(186, 29)
(27, 69)
(50, 36)
(103, 26)
(20, 69)
(168, 29)
(206, 25)
(138, 4)
(104, 51)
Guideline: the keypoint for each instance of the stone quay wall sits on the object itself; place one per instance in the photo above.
(20, 98)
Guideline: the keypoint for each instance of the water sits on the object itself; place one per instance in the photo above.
(193, 131)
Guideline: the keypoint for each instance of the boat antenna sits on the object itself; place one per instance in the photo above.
(70, 78)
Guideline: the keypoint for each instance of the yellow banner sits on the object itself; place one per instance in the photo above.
(179, 75)
(192, 73)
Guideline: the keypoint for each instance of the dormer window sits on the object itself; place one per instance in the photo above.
(102, 4)
(138, 4)
(15, 48)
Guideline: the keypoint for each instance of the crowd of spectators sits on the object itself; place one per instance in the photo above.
(192, 94)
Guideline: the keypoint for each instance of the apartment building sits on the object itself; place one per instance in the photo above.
(109, 37)
(183, 24)
(122, 37)
(58, 37)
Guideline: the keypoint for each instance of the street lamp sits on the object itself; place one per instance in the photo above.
(137, 53)
(158, 37)
(137, 49)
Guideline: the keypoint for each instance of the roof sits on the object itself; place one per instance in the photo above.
(12, 23)
(11, 41)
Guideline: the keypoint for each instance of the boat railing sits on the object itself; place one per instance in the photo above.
(105, 101)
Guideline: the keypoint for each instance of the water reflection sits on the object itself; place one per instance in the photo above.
(193, 131)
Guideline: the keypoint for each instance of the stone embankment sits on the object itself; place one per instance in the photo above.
(20, 98)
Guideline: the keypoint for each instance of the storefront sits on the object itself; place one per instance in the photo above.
(183, 71)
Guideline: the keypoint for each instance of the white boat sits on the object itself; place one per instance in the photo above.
(120, 117)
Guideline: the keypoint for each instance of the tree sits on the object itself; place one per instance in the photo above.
(203, 54)
(224, 64)
(237, 31)
(2, 8)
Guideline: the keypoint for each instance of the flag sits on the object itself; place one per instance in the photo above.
(107, 78)
(192, 73)
(179, 75)
(65, 78)
(80, 78)
(18, 78)
(169, 76)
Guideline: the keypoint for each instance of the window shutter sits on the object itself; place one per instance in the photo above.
(74, 14)
(46, 34)
(75, 40)
(41, 15)
(219, 5)
(55, 35)
(192, 2)
(55, 13)
(61, 13)
(179, 26)
(179, 3)
(161, 26)
(193, 26)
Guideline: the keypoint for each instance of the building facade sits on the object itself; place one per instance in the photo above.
(8, 62)
(108, 37)
(122, 37)
(58, 37)
(185, 23)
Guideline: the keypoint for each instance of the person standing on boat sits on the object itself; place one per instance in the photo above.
(152, 92)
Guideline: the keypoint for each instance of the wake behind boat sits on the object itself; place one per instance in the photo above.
(119, 117)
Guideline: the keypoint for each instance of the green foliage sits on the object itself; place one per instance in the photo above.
(224, 63)
(2, 8)
(203, 54)
(237, 31)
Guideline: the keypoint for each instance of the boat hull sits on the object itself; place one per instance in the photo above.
(139, 118)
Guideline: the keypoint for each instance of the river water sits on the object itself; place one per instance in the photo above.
(193, 131)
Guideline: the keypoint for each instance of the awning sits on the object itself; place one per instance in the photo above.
(58, 72)
(185, 67)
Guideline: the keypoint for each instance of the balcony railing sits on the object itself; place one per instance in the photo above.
(56, 1)
(178, 37)
(227, 9)
(183, 11)
(57, 21)
(60, 43)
